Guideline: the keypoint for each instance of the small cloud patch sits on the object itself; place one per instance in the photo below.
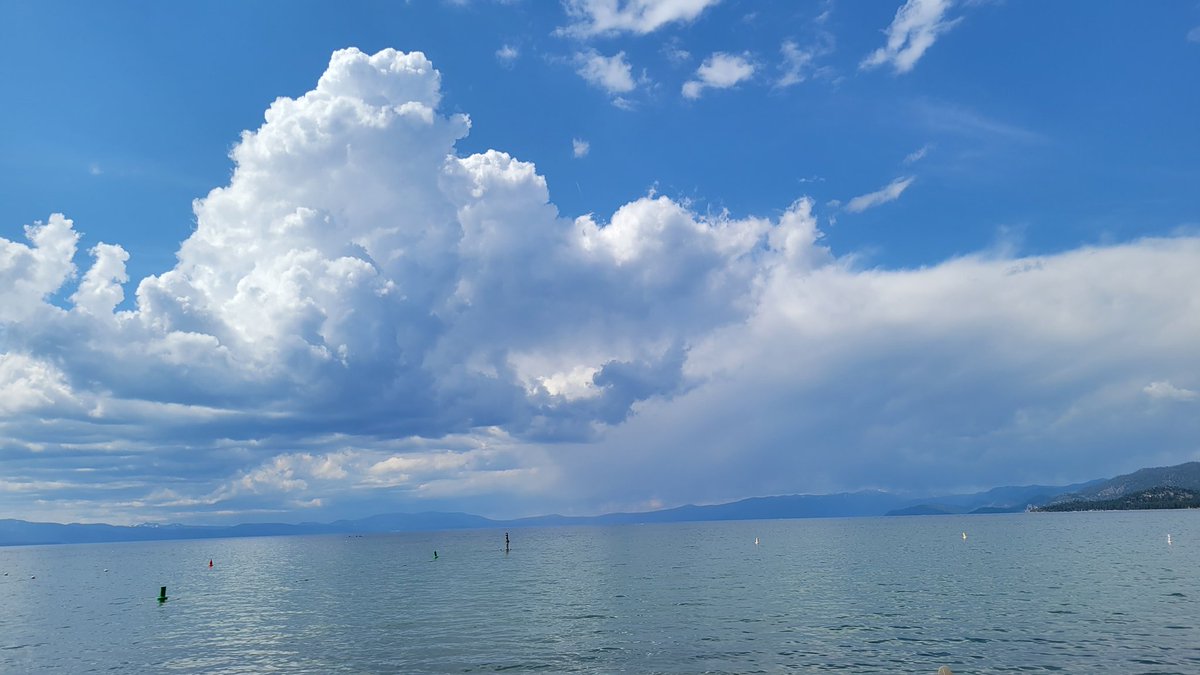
(917, 155)
(508, 54)
(889, 193)
(597, 17)
(917, 25)
(613, 73)
(1165, 391)
(719, 71)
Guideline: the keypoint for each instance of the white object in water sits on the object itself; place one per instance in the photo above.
(756, 540)
(1168, 539)
(964, 536)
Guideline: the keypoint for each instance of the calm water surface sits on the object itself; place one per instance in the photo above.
(1074, 592)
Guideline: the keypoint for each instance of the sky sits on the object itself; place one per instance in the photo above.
(301, 261)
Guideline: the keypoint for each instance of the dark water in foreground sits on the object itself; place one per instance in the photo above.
(1073, 592)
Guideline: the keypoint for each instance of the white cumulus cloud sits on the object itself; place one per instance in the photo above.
(580, 147)
(719, 71)
(610, 73)
(357, 275)
(366, 320)
(27, 384)
(1002, 369)
(31, 272)
(100, 291)
(1165, 390)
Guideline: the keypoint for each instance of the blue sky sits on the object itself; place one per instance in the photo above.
(682, 251)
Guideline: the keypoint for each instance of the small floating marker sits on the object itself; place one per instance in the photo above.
(506, 542)
(210, 562)
(1168, 539)
(162, 594)
(756, 541)
(964, 539)
(435, 555)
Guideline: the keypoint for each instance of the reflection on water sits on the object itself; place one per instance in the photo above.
(1074, 592)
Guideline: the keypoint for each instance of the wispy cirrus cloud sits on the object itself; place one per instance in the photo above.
(797, 64)
(675, 53)
(917, 25)
(888, 193)
(952, 118)
(597, 17)
(917, 155)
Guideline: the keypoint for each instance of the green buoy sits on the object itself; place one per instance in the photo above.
(162, 594)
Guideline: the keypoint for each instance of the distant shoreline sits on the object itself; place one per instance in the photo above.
(1170, 487)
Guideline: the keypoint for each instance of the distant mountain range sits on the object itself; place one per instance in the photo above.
(1082, 496)
(867, 503)
(1012, 499)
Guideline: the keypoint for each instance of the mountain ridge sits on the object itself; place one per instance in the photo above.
(1186, 476)
(1005, 499)
(1161, 497)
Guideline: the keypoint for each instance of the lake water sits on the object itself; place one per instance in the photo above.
(1072, 592)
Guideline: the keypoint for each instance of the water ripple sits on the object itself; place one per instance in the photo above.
(1088, 593)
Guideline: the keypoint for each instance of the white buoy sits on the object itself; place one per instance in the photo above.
(964, 536)
(756, 540)
(1168, 539)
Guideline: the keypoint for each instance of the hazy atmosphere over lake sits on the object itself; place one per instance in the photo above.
(305, 261)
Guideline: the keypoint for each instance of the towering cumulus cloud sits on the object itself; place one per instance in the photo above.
(356, 267)
(357, 277)
(361, 311)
